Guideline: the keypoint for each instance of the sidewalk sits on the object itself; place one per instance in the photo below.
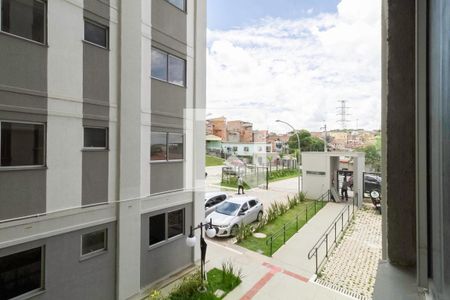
(287, 274)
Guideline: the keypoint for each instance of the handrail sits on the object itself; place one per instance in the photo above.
(324, 238)
(282, 231)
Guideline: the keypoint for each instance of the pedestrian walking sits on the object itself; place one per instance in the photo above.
(240, 183)
(344, 189)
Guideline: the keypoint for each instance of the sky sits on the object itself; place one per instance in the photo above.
(294, 60)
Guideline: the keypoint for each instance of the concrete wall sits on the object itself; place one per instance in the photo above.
(69, 277)
(160, 261)
(398, 132)
(314, 185)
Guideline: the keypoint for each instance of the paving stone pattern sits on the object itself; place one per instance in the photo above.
(352, 267)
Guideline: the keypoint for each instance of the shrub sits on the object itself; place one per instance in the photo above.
(244, 231)
(187, 288)
(231, 277)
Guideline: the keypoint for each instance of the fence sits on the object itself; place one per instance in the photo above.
(318, 204)
(324, 239)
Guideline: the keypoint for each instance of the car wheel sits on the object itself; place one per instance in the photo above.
(259, 217)
(234, 230)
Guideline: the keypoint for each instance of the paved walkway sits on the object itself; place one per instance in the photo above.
(286, 275)
(354, 263)
(295, 252)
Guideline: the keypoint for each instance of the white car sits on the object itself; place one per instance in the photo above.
(233, 212)
(212, 199)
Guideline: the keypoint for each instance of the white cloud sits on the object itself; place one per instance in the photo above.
(298, 70)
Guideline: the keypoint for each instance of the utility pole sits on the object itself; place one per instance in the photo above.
(325, 146)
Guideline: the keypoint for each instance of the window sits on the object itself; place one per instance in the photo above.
(159, 64)
(252, 203)
(177, 70)
(179, 3)
(21, 144)
(235, 148)
(175, 223)
(175, 146)
(96, 138)
(158, 146)
(95, 33)
(157, 229)
(21, 273)
(244, 207)
(94, 242)
(166, 146)
(246, 149)
(26, 19)
(268, 149)
(168, 68)
(164, 226)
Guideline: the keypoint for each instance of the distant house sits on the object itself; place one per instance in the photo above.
(248, 152)
(213, 144)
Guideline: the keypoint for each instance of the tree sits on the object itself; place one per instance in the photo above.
(373, 156)
(307, 142)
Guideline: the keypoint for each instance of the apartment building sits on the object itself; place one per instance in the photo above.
(242, 129)
(102, 156)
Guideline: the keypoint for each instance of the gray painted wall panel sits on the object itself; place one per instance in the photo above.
(159, 262)
(166, 177)
(66, 277)
(168, 43)
(168, 98)
(95, 73)
(22, 193)
(169, 20)
(97, 10)
(95, 177)
(23, 64)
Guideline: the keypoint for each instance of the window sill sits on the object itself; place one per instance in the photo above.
(168, 82)
(92, 255)
(166, 242)
(95, 150)
(30, 295)
(22, 168)
(24, 39)
(166, 161)
(95, 45)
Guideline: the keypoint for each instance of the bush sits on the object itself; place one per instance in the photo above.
(243, 232)
(231, 277)
(188, 287)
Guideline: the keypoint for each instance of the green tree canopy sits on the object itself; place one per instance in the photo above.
(373, 156)
(307, 142)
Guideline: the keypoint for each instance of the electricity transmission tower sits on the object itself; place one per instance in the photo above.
(343, 113)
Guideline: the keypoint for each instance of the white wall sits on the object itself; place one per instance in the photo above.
(65, 78)
(315, 185)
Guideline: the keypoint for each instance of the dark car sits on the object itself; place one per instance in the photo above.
(372, 183)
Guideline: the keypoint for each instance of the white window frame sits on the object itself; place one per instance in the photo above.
(167, 147)
(166, 228)
(184, 9)
(44, 42)
(96, 148)
(96, 252)
(98, 25)
(44, 162)
(167, 68)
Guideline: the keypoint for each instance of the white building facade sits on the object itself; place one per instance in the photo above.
(101, 144)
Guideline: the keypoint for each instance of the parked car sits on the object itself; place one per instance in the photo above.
(212, 200)
(233, 212)
(372, 183)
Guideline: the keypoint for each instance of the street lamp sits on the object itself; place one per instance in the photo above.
(298, 141)
(191, 241)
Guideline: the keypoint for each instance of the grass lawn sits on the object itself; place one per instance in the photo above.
(214, 161)
(259, 245)
(282, 174)
(217, 280)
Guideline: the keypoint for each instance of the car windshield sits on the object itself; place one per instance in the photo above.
(227, 208)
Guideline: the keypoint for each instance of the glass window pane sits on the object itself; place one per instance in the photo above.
(175, 146)
(20, 273)
(177, 70)
(21, 144)
(175, 223)
(159, 65)
(96, 34)
(157, 229)
(158, 146)
(93, 241)
(178, 3)
(24, 18)
(95, 138)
